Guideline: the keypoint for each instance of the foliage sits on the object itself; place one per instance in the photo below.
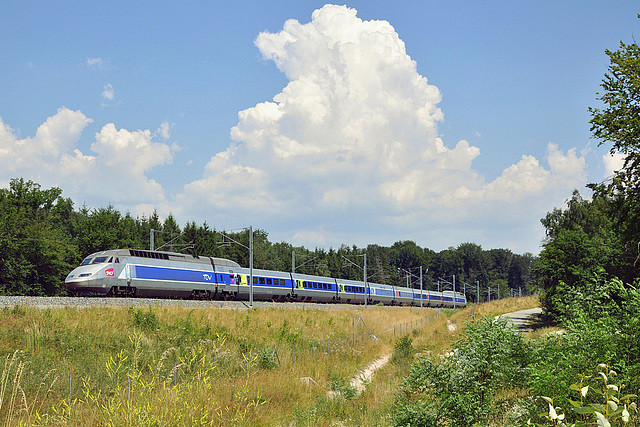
(617, 124)
(608, 404)
(460, 389)
(582, 244)
(268, 359)
(603, 327)
(402, 350)
(35, 250)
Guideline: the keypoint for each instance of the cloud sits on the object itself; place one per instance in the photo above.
(612, 163)
(116, 171)
(108, 94)
(353, 139)
(57, 135)
(164, 131)
(347, 152)
(94, 62)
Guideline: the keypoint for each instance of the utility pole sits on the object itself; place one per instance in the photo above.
(366, 286)
(454, 291)
(250, 228)
(251, 266)
(421, 296)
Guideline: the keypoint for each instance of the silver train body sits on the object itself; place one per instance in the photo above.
(152, 274)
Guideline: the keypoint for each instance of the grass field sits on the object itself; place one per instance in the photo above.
(176, 366)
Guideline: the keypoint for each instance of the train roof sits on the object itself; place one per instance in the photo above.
(170, 256)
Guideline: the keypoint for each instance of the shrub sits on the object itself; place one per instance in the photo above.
(458, 389)
(402, 350)
(599, 403)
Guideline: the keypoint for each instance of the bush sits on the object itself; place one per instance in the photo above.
(147, 321)
(599, 402)
(459, 388)
(402, 350)
(268, 359)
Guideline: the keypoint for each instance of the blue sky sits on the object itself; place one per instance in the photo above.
(370, 122)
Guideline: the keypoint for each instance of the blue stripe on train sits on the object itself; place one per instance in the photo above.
(173, 274)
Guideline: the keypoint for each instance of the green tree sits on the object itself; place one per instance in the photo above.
(581, 242)
(618, 124)
(36, 252)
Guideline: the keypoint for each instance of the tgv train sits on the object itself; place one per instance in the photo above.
(154, 274)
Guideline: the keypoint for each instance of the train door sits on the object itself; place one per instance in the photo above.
(235, 280)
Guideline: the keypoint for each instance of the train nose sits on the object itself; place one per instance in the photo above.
(90, 280)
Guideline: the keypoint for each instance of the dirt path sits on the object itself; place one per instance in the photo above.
(524, 320)
(363, 377)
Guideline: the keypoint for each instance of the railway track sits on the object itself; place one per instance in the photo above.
(86, 302)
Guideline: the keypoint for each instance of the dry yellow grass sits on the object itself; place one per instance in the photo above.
(128, 359)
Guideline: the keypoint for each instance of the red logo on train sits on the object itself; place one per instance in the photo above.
(109, 272)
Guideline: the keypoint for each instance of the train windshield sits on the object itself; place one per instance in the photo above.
(96, 260)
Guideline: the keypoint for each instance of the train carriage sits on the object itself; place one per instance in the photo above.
(267, 285)
(132, 272)
(311, 288)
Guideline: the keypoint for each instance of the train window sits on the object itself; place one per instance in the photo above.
(117, 260)
(255, 280)
(269, 281)
(282, 283)
(304, 284)
(324, 286)
(86, 261)
(262, 280)
(100, 260)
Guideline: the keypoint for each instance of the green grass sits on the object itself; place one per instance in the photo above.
(179, 366)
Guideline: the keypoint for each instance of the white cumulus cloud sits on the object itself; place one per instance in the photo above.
(353, 138)
(116, 171)
(612, 163)
(348, 151)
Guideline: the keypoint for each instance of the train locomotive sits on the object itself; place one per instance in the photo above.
(156, 274)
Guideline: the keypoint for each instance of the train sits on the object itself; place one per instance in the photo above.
(159, 274)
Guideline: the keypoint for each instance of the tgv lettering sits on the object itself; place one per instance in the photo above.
(206, 276)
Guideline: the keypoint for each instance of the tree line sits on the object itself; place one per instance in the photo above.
(42, 238)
